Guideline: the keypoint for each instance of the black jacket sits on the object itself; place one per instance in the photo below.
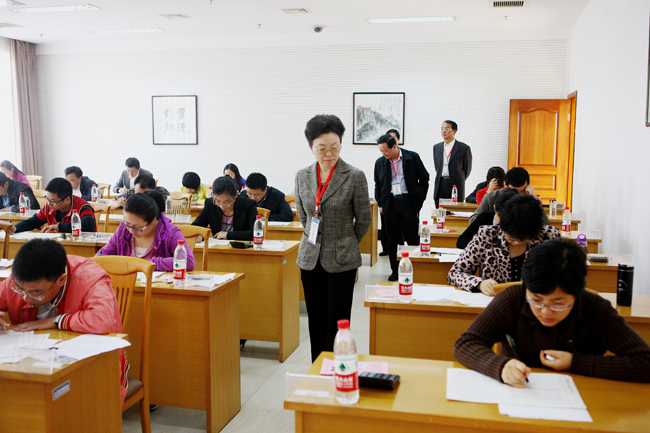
(483, 219)
(460, 166)
(275, 202)
(242, 224)
(415, 176)
(86, 188)
(13, 192)
(472, 197)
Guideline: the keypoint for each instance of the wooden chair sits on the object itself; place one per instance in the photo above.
(105, 189)
(502, 286)
(265, 214)
(99, 209)
(190, 233)
(6, 226)
(123, 271)
(36, 182)
(178, 199)
(40, 196)
(291, 199)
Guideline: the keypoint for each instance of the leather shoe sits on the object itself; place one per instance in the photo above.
(392, 277)
(383, 253)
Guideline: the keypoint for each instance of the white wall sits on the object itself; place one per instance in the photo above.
(609, 69)
(95, 109)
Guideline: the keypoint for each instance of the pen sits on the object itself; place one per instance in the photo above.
(511, 342)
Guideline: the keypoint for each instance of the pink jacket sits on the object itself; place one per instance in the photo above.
(20, 177)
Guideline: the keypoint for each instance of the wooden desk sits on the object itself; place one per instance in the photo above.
(85, 248)
(91, 405)
(194, 351)
(419, 404)
(428, 330)
(269, 307)
(461, 223)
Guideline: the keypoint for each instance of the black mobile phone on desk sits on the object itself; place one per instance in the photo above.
(241, 245)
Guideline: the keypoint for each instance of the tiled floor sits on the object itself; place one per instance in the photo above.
(263, 377)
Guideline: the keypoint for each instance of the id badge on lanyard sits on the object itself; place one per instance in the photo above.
(313, 229)
(316, 219)
(395, 187)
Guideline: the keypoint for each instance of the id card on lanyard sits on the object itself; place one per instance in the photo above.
(395, 187)
(315, 220)
(445, 168)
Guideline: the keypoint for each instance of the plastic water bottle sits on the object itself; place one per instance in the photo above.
(582, 242)
(405, 273)
(22, 204)
(76, 226)
(440, 220)
(566, 223)
(425, 240)
(180, 265)
(346, 375)
(94, 193)
(552, 209)
(454, 195)
(258, 233)
(168, 206)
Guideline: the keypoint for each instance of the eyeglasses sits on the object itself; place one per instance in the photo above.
(554, 307)
(445, 128)
(333, 149)
(223, 203)
(134, 228)
(255, 196)
(516, 241)
(34, 295)
(52, 202)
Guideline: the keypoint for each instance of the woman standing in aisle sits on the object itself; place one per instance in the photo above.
(333, 204)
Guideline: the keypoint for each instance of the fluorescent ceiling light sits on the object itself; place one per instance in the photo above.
(120, 31)
(54, 9)
(409, 20)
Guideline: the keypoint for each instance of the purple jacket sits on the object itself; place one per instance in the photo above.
(165, 242)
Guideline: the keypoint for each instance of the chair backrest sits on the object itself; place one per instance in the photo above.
(265, 216)
(105, 189)
(99, 209)
(180, 195)
(190, 234)
(502, 286)
(291, 199)
(36, 182)
(181, 205)
(40, 196)
(6, 227)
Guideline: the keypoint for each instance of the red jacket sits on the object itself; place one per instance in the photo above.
(48, 215)
(480, 194)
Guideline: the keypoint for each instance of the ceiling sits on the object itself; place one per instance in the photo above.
(233, 23)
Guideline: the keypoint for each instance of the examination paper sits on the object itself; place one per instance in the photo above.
(4, 263)
(89, 345)
(10, 340)
(550, 413)
(278, 223)
(327, 369)
(213, 242)
(434, 293)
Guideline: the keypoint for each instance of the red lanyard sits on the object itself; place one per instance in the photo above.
(447, 154)
(323, 187)
(395, 167)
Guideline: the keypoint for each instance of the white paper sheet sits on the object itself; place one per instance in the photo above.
(473, 299)
(447, 258)
(212, 242)
(461, 214)
(5, 273)
(279, 223)
(433, 293)
(220, 279)
(10, 340)
(274, 245)
(35, 235)
(455, 251)
(142, 277)
(4, 263)
(550, 413)
(89, 345)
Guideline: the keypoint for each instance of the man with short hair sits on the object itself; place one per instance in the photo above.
(384, 235)
(142, 183)
(401, 186)
(57, 212)
(82, 186)
(453, 163)
(10, 194)
(48, 289)
(395, 134)
(127, 179)
(268, 197)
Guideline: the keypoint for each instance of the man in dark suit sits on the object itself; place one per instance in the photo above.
(401, 186)
(82, 186)
(268, 197)
(452, 161)
(127, 178)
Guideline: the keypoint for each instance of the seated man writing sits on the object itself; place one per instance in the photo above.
(57, 212)
(127, 178)
(142, 183)
(555, 324)
(51, 290)
(10, 194)
(268, 197)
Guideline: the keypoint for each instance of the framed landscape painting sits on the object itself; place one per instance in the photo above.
(376, 113)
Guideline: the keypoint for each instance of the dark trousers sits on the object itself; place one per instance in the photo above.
(384, 234)
(328, 297)
(444, 190)
(402, 222)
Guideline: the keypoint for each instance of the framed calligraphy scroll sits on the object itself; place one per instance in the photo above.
(376, 113)
(174, 120)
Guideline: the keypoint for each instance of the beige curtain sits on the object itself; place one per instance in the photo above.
(23, 61)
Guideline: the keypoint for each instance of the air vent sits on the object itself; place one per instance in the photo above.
(175, 16)
(5, 25)
(296, 11)
(508, 4)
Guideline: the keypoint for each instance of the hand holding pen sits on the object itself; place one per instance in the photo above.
(515, 371)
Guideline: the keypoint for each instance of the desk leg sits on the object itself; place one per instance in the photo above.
(373, 318)
(290, 338)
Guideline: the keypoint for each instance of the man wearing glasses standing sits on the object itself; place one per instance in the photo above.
(453, 163)
(55, 216)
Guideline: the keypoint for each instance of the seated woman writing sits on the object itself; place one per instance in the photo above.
(555, 323)
(499, 251)
(229, 214)
(147, 233)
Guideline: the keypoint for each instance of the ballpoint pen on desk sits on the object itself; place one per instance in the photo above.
(511, 342)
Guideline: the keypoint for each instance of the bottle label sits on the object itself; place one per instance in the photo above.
(76, 233)
(258, 238)
(405, 285)
(440, 224)
(179, 274)
(454, 199)
(23, 210)
(425, 245)
(95, 198)
(346, 376)
(566, 227)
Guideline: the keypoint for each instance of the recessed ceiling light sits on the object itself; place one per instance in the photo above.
(115, 32)
(54, 9)
(409, 20)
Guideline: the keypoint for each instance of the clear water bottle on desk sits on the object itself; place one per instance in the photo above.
(581, 241)
(76, 226)
(94, 193)
(258, 233)
(552, 209)
(454, 195)
(22, 204)
(425, 240)
(169, 209)
(440, 219)
(566, 223)
(180, 265)
(405, 279)
(346, 375)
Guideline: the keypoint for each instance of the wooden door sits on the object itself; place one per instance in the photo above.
(539, 141)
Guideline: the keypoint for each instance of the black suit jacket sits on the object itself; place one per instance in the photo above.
(13, 192)
(275, 202)
(242, 224)
(415, 176)
(460, 166)
(86, 188)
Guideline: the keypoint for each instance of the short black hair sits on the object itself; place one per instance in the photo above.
(74, 169)
(232, 167)
(556, 263)
(191, 180)
(132, 162)
(517, 176)
(145, 181)
(256, 181)
(3, 179)
(39, 259)
(158, 198)
(144, 206)
(522, 217)
(395, 131)
(9, 166)
(451, 123)
(59, 186)
(496, 173)
(505, 196)
(388, 139)
(323, 124)
(224, 184)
